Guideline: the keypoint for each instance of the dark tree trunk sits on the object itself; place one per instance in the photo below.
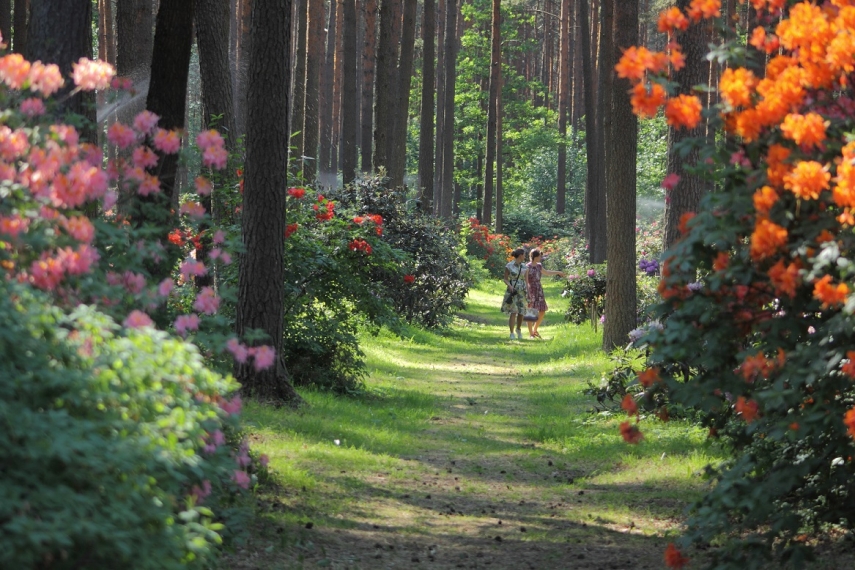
(261, 286)
(314, 64)
(327, 79)
(563, 100)
(298, 102)
(686, 195)
(212, 29)
(19, 41)
(620, 280)
(499, 191)
(243, 42)
(492, 107)
(369, 62)
(592, 197)
(426, 125)
(335, 156)
(349, 100)
(60, 31)
(386, 77)
(439, 144)
(6, 21)
(133, 28)
(398, 148)
(597, 223)
(451, 35)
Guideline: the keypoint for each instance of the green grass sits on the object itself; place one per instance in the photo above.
(507, 419)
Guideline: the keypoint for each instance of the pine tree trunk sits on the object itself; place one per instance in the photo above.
(620, 279)
(451, 42)
(261, 288)
(398, 149)
(563, 100)
(314, 63)
(6, 21)
(499, 190)
(298, 101)
(21, 24)
(495, 74)
(592, 205)
(439, 143)
(243, 41)
(133, 28)
(335, 157)
(327, 79)
(598, 225)
(109, 33)
(369, 63)
(386, 77)
(426, 125)
(349, 100)
(212, 21)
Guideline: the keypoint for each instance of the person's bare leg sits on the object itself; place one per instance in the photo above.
(511, 322)
(519, 325)
(538, 321)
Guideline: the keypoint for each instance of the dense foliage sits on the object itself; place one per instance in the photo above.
(762, 345)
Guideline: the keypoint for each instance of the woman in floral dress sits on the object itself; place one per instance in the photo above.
(514, 301)
(536, 298)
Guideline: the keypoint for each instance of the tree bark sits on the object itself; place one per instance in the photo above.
(349, 100)
(327, 79)
(592, 196)
(499, 190)
(6, 21)
(398, 148)
(369, 62)
(134, 46)
(314, 63)
(620, 279)
(386, 77)
(426, 125)
(212, 29)
(60, 31)
(298, 101)
(563, 99)
(439, 143)
(451, 35)
(597, 243)
(261, 288)
(20, 22)
(492, 108)
(335, 147)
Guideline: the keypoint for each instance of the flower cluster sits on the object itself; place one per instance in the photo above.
(360, 245)
(649, 266)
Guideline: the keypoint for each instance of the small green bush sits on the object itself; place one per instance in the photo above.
(103, 459)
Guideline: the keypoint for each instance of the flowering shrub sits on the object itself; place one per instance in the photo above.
(494, 249)
(763, 345)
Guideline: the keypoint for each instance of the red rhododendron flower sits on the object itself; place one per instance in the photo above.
(849, 421)
(748, 409)
(673, 557)
(628, 404)
(290, 229)
(630, 433)
(296, 193)
(649, 376)
(409, 278)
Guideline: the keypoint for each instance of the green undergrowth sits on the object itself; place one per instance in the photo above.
(510, 418)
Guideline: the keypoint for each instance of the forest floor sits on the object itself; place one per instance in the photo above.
(469, 450)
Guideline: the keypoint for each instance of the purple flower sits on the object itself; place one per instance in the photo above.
(591, 273)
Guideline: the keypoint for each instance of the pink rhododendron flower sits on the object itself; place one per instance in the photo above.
(167, 142)
(241, 479)
(66, 133)
(213, 441)
(226, 258)
(670, 181)
(264, 357)
(242, 458)
(238, 350)
(165, 287)
(219, 237)
(45, 79)
(214, 253)
(149, 185)
(215, 157)
(32, 107)
(134, 282)
(92, 154)
(80, 228)
(122, 84)
(145, 122)
(203, 186)
(207, 301)
(110, 200)
(46, 273)
(209, 138)
(192, 268)
(13, 144)
(121, 135)
(79, 261)
(137, 319)
(14, 70)
(201, 493)
(135, 173)
(144, 157)
(13, 226)
(233, 406)
(264, 460)
(186, 323)
(192, 209)
(90, 75)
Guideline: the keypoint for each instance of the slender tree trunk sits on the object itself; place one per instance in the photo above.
(369, 63)
(20, 22)
(60, 31)
(327, 80)
(398, 149)
(349, 100)
(563, 100)
(6, 21)
(426, 126)
(592, 197)
(212, 21)
(492, 109)
(110, 33)
(620, 280)
(599, 236)
(314, 63)
(335, 156)
(440, 107)
(499, 189)
(298, 102)
(686, 195)
(451, 35)
(385, 99)
(243, 42)
(261, 285)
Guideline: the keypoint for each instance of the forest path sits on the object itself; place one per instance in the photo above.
(471, 451)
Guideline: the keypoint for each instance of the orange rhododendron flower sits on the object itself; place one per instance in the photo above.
(628, 404)
(824, 236)
(748, 409)
(843, 193)
(830, 294)
(776, 168)
(849, 421)
(649, 376)
(673, 557)
(747, 125)
(785, 278)
(685, 218)
(759, 365)
(646, 103)
(767, 238)
(633, 63)
(672, 19)
(630, 433)
(683, 111)
(736, 86)
(848, 367)
(704, 9)
(764, 199)
(722, 260)
(804, 129)
(808, 179)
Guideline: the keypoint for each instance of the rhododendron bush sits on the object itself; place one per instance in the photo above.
(759, 332)
(106, 419)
